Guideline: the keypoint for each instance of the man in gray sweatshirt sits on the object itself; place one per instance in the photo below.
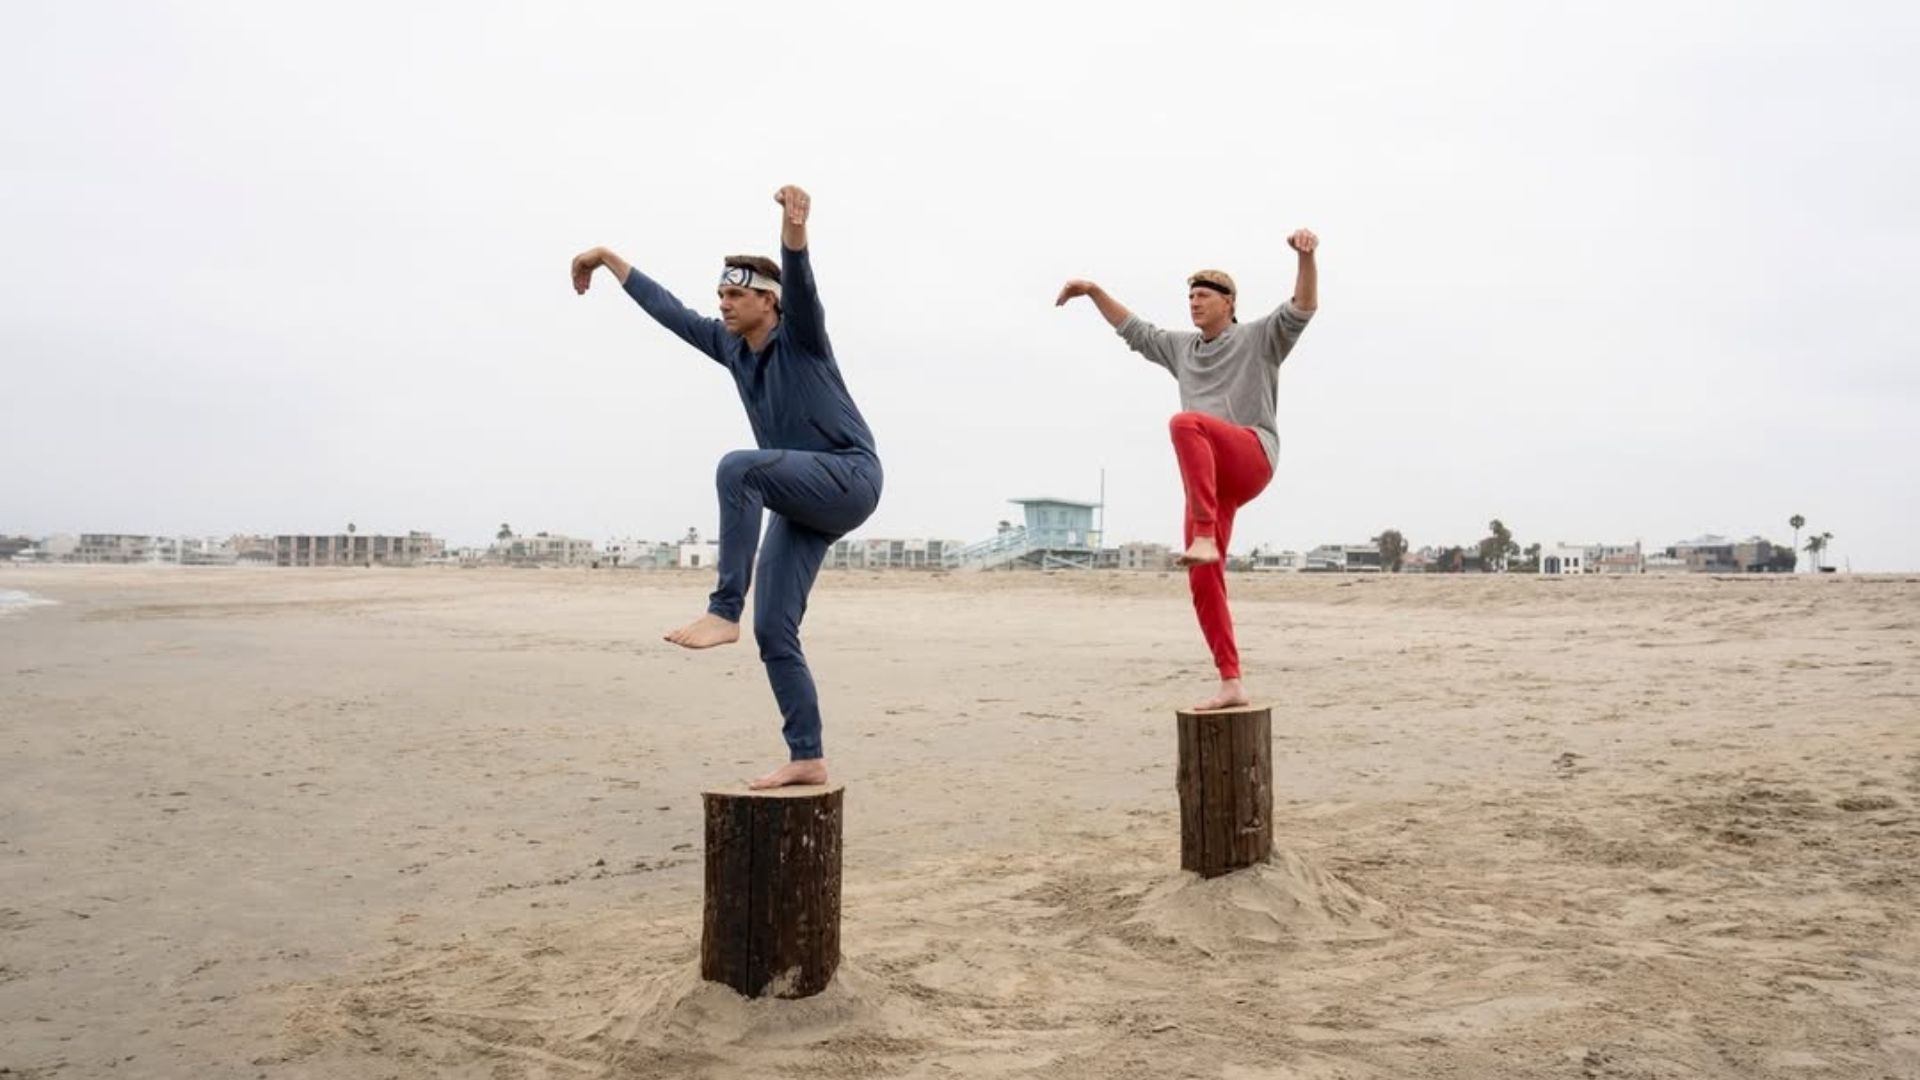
(1224, 436)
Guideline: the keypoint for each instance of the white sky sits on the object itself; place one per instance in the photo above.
(1604, 271)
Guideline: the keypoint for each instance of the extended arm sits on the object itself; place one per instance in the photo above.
(585, 263)
(707, 335)
(1111, 310)
(1140, 335)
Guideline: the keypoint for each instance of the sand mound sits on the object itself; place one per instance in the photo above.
(572, 1014)
(1287, 899)
(682, 1010)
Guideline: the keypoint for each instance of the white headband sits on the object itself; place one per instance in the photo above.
(746, 277)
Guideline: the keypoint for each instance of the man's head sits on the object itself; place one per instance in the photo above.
(1210, 301)
(749, 294)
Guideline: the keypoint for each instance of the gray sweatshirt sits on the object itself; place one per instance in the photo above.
(1236, 376)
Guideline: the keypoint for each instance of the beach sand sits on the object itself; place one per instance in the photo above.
(294, 823)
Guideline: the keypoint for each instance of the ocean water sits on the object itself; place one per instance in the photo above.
(13, 601)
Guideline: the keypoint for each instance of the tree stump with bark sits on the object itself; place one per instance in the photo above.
(1225, 779)
(772, 918)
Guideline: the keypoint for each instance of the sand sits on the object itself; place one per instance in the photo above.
(447, 823)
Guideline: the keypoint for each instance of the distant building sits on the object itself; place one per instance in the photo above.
(1135, 555)
(1756, 555)
(356, 549)
(1272, 559)
(204, 551)
(1616, 559)
(1565, 559)
(1344, 558)
(1718, 555)
(1706, 554)
(548, 549)
(632, 554)
(1441, 560)
(881, 553)
(698, 555)
(249, 550)
(112, 548)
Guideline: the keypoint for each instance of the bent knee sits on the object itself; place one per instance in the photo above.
(734, 466)
(1186, 421)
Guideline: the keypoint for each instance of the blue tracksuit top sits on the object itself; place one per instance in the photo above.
(792, 389)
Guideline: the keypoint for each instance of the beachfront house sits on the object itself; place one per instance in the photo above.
(1565, 559)
(699, 554)
(1272, 559)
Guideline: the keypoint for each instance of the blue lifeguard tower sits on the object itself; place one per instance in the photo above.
(1056, 533)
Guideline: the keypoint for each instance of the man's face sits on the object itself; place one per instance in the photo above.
(1209, 309)
(744, 311)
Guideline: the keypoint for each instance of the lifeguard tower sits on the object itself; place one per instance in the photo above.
(1056, 534)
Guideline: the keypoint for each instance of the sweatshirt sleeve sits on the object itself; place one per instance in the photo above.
(707, 335)
(1282, 330)
(804, 320)
(1150, 341)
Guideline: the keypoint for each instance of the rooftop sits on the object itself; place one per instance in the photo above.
(1050, 501)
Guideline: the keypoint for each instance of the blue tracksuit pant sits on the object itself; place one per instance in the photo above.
(815, 498)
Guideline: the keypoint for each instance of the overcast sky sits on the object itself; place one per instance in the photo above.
(1606, 272)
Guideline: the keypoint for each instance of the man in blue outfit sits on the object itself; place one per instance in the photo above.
(816, 469)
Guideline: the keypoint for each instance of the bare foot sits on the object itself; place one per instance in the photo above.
(1201, 552)
(705, 632)
(809, 771)
(1231, 696)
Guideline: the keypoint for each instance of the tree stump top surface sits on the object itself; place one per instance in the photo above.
(1234, 710)
(794, 791)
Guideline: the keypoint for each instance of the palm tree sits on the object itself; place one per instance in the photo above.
(1393, 549)
(1796, 521)
(351, 529)
(505, 533)
(1816, 546)
(1497, 548)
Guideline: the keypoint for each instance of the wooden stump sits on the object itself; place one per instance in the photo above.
(772, 921)
(1226, 789)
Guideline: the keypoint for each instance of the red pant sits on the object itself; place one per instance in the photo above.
(1223, 467)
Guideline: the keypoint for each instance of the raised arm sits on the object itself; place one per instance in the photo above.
(707, 335)
(804, 320)
(1306, 279)
(794, 205)
(1284, 327)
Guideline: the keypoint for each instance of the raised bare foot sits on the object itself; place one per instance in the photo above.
(809, 771)
(1201, 552)
(705, 632)
(1231, 696)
